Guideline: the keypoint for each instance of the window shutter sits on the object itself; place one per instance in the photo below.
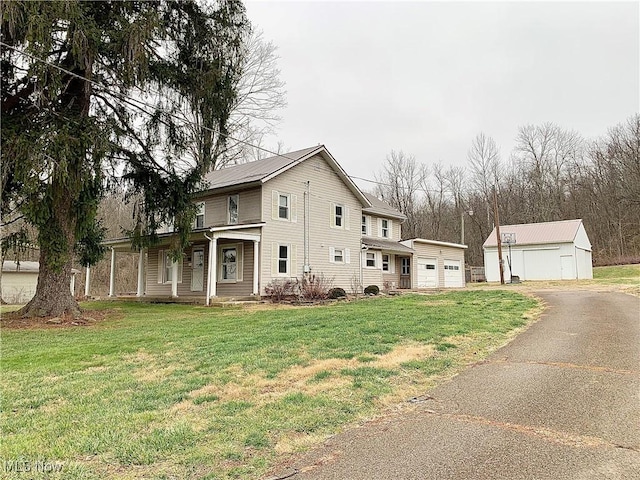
(239, 261)
(180, 270)
(332, 255)
(332, 214)
(379, 227)
(346, 219)
(392, 263)
(347, 255)
(293, 214)
(160, 265)
(274, 259)
(274, 204)
(390, 228)
(293, 260)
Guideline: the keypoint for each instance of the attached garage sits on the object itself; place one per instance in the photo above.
(540, 251)
(437, 264)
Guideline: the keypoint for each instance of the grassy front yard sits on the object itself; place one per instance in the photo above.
(175, 391)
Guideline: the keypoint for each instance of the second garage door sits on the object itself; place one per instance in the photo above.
(453, 274)
(427, 273)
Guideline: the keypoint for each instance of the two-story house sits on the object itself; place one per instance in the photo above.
(277, 218)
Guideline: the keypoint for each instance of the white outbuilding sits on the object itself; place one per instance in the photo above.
(19, 281)
(540, 251)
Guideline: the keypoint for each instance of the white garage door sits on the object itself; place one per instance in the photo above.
(427, 273)
(453, 273)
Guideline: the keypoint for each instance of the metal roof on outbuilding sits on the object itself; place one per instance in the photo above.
(564, 231)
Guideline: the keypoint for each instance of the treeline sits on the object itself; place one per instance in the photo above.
(551, 174)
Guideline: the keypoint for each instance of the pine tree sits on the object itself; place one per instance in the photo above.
(73, 76)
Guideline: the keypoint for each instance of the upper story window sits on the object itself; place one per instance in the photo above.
(339, 214)
(199, 221)
(386, 224)
(365, 225)
(283, 207)
(232, 208)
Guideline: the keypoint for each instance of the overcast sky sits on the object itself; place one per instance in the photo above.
(365, 78)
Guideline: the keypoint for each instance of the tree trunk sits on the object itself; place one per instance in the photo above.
(57, 239)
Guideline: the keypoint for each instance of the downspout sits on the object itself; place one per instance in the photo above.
(209, 271)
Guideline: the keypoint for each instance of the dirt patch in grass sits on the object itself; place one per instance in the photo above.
(13, 320)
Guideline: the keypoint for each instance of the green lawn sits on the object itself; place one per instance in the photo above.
(176, 391)
(617, 274)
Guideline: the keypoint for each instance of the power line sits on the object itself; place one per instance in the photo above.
(129, 99)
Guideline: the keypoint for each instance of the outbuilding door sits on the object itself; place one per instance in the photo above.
(427, 272)
(566, 267)
(453, 274)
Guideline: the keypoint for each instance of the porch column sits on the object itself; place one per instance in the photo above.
(141, 274)
(87, 281)
(174, 279)
(256, 270)
(112, 275)
(213, 271)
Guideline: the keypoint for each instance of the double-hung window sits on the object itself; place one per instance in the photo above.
(232, 208)
(339, 215)
(365, 225)
(199, 222)
(283, 207)
(385, 228)
(338, 255)
(283, 259)
(371, 259)
(385, 263)
(229, 264)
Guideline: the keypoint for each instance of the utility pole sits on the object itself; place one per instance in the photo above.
(498, 238)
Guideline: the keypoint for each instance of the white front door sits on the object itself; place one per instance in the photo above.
(197, 270)
(427, 273)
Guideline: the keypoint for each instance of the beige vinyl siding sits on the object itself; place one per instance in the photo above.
(239, 288)
(245, 287)
(325, 188)
(375, 227)
(249, 207)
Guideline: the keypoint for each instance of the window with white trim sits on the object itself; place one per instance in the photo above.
(338, 255)
(284, 205)
(385, 263)
(229, 264)
(365, 225)
(339, 215)
(165, 267)
(283, 259)
(371, 259)
(232, 208)
(199, 221)
(385, 228)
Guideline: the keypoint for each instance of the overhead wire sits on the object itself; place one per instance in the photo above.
(139, 104)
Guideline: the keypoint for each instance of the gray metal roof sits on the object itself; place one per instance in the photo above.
(382, 208)
(388, 245)
(536, 233)
(255, 171)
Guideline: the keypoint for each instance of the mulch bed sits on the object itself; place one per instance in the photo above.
(12, 320)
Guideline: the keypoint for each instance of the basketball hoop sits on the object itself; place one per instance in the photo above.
(508, 238)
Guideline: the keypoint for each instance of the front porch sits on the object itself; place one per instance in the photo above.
(221, 262)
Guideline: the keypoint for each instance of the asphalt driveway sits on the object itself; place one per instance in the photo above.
(562, 401)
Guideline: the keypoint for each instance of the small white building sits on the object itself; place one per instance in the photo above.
(436, 264)
(19, 281)
(540, 251)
